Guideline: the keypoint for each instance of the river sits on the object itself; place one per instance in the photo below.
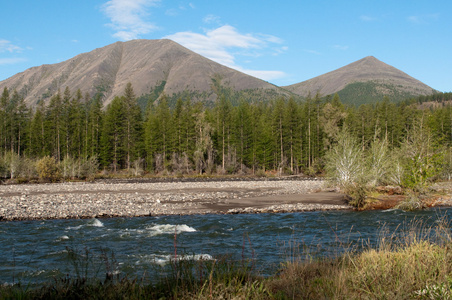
(38, 251)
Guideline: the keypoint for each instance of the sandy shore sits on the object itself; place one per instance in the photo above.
(130, 199)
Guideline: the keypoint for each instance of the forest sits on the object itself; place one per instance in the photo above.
(74, 136)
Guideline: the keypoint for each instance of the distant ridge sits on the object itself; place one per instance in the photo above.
(367, 78)
(157, 67)
(147, 64)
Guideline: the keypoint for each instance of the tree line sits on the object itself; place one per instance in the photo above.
(283, 135)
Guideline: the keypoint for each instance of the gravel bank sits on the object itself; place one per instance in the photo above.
(110, 199)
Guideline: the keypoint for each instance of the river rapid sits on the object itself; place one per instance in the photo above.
(32, 252)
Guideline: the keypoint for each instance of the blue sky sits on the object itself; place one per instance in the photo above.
(282, 42)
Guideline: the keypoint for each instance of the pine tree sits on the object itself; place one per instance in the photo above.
(158, 130)
(4, 101)
(37, 145)
(76, 125)
(243, 132)
(133, 125)
(22, 120)
(113, 134)
(53, 123)
(278, 129)
(95, 127)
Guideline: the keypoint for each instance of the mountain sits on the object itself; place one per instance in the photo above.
(367, 80)
(152, 66)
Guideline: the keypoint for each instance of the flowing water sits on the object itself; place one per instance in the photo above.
(38, 251)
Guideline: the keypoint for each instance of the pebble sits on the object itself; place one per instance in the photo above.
(87, 200)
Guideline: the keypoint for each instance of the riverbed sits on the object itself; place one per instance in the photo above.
(133, 198)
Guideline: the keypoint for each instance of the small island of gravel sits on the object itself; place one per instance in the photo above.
(133, 198)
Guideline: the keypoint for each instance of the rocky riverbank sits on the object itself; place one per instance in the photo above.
(132, 199)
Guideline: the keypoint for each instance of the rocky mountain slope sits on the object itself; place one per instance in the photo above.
(147, 64)
(366, 80)
(155, 67)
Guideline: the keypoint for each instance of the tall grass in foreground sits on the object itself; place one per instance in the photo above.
(413, 262)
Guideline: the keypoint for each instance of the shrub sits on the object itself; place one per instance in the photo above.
(378, 162)
(137, 168)
(422, 159)
(344, 162)
(47, 169)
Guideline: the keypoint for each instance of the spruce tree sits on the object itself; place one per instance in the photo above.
(53, 123)
(133, 125)
(37, 141)
(113, 134)
(4, 102)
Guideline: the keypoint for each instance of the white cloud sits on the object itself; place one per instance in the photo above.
(11, 61)
(414, 19)
(209, 19)
(280, 50)
(172, 12)
(264, 75)
(129, 17)
(340, 47)
(367, 18)
(423, 19)
(7, 46)
(221, 45)
(310, 51)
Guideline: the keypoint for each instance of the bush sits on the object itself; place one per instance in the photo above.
(47, 169)
(378, 163)
(345, 161)
(422, 159)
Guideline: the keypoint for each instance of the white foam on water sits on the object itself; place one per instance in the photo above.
(74, 227)
(165, 259)
(58, 252)
(130, 232)
(390, 209)
(91, 223)
(37, 272)
(169, 229)
(62, 238)
(95, 223)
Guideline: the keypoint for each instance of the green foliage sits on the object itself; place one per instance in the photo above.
(113, 134)
(235, 134)
(371, 92)
(422, 158)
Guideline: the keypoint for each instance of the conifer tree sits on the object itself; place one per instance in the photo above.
(21, 121)
(158, 132)
(243, 132)
(54, 125)
(74, 123)
(4, 101)
(223, 117)
(278, 129)
(37, 141)
(113, 134)
(133, 125)
(95, 127)
(291, 131)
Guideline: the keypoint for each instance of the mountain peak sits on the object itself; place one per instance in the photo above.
(147, 64)
(367, 69)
